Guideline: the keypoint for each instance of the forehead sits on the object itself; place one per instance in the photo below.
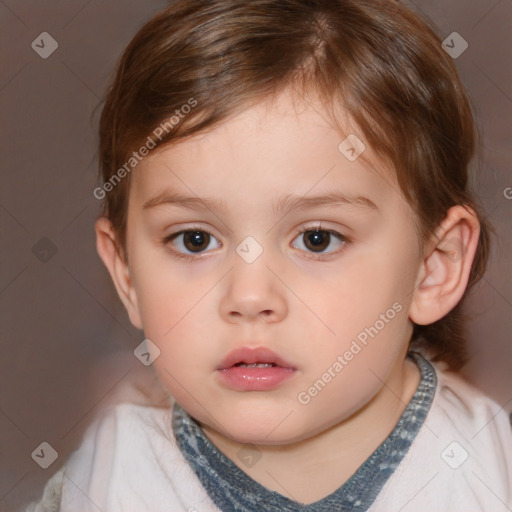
(277, 146)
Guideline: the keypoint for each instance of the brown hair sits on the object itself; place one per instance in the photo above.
(377, 58)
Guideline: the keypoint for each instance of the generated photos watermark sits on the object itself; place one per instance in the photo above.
(137, 156)
(356, 346)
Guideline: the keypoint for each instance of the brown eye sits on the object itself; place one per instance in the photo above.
(189, 242)
(317, 240)
(196, 241)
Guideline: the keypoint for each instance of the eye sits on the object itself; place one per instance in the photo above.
(317, 240)
(194, 241)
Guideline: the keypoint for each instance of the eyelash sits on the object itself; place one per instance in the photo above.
(303, 229)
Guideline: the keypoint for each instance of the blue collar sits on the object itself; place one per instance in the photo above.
(231, 489)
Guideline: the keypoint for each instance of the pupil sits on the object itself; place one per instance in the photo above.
(197, 239)
(319, 239)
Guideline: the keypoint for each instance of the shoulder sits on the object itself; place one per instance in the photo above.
(461, 459)
(469, 413)
(116, 437)
(128, 460)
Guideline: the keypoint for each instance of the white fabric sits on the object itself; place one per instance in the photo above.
(126, 463)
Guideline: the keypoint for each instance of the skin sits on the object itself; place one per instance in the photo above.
(305, 309)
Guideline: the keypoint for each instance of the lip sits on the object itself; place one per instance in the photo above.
(242, 378)
(250, 355)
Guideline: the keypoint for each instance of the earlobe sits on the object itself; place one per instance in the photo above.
(118, 269)
(445, 270)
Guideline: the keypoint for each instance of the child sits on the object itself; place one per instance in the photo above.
(287, 218)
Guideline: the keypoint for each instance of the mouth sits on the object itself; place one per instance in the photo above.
(256, 365)
(259, 357)
(254, 369)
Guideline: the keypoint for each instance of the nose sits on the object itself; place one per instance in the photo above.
(253, 293)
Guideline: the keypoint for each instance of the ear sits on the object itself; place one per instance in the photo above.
(107, 248)
(445, 270)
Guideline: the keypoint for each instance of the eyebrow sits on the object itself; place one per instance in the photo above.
(283, 206)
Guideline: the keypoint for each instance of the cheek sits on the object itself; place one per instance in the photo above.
(351, 370)
(187, 353)
(176, 312)
(366, 286)
(178, 322)
(165, 295)
(168, 289)
(365, 308)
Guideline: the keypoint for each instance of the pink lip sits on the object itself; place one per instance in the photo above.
(242, 378)
(253, 355)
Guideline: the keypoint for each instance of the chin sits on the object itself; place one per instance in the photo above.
(266, 430)
(261, 437)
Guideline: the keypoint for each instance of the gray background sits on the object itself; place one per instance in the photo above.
(66, 343)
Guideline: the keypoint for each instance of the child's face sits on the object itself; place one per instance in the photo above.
(307, 311)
